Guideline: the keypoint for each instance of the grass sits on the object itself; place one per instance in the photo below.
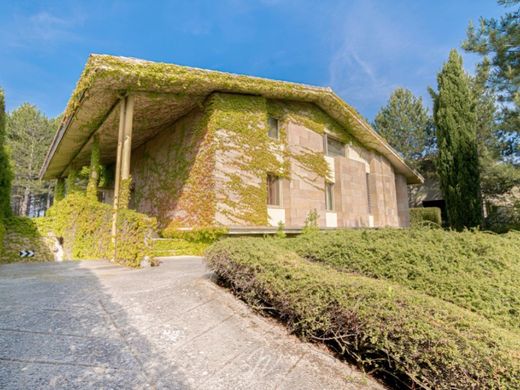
(387, 320)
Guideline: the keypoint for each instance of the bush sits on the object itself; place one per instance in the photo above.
(421, 216)
(207, 234)
(409, 338)
(22, 233)
(475, 270)
(178, 247)
(85, 225)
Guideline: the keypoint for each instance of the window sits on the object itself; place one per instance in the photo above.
(369, 201)
(273, 191)
(329, 196)
(334, 147)
(274, 131)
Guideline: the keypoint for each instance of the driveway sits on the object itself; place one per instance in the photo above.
(92, 324)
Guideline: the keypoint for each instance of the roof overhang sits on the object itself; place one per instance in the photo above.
(165, 92)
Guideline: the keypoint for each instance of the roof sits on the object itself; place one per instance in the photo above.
(165, 92)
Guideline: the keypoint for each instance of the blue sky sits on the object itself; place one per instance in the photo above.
(363, 49)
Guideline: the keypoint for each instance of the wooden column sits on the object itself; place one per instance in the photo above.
(124, 148)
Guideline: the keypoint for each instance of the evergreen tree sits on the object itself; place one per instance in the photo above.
(5, 166)
(457, 162)
(405, 123)
(29, 134)
(500, 39)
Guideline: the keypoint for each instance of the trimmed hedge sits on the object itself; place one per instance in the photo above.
(421, 216)
(179, 247)
(22, 233)
(475, 270)
(85, 225)
(409, 338)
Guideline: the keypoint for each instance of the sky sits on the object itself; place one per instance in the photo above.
(363, 49)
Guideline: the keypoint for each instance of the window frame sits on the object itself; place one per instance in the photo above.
(273, 179)
(276, 121)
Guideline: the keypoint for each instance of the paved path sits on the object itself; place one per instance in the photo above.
(97, 325)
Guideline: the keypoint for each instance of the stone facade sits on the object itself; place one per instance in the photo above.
(366, 190)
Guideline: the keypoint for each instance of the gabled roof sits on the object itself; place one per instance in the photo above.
(164, 92)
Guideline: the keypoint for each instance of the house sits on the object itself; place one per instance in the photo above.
(205, 148)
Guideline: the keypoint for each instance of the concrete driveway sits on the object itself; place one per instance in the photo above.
(92, 324)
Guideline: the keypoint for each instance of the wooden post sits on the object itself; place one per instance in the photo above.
(127, 138)
(122, 115)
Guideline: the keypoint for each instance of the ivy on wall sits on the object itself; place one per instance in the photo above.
(210, 168)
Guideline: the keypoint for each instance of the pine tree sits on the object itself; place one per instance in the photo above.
(405, 123)
(29, 134)
(6, 175)
(458, 162)
(500, 40)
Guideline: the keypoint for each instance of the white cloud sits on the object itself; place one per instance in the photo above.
(42, 29)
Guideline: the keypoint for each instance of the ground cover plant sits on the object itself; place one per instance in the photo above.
(403, 333)
(475, 270)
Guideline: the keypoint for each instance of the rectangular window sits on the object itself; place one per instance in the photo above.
(334, 147)
(274, 131)
(329, 196)
(369, 200)
(273, 191)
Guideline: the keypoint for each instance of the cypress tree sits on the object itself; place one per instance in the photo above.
(6, 175)
(458, 162)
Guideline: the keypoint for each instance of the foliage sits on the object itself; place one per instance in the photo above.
(6, 175)
(179, 247)
(498, 178)
(85, 225)
(421, 216)
(207, 234)
(474, 270)
(406, 125)
(22, 233)
(503, 218)
(500, 39)
(411, 339)
(457, 164)
(59, 190)
(311, 222)
(95, 170)
(29, 133)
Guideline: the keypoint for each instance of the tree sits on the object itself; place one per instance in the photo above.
(6, 175)
(500, 39)
(457, 161)
(405, 123)
(29, 134)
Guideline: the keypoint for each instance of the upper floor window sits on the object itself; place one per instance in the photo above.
(333, 147)
(273, 191)
(329, 196)
(274, 130)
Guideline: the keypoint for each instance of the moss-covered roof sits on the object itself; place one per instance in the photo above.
(165, 92)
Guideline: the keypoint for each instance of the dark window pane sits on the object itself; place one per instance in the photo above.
(273, 128)
(273, 190)
(335, 148)
(329, 196)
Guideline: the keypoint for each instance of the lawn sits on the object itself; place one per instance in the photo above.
(420, 308)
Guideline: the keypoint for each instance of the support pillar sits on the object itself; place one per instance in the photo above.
(124, 149)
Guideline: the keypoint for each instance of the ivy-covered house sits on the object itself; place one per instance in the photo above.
(198, 148)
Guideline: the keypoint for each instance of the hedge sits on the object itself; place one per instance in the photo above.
(421, 216)
(85, 226)
(475, 270)
(407, 337)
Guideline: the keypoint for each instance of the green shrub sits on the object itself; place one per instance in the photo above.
(475, 270)
(2, 234)
(410, 338)
(178, 247)
(85, 225)
(421, 216)
(22, 233)
(207, 234)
